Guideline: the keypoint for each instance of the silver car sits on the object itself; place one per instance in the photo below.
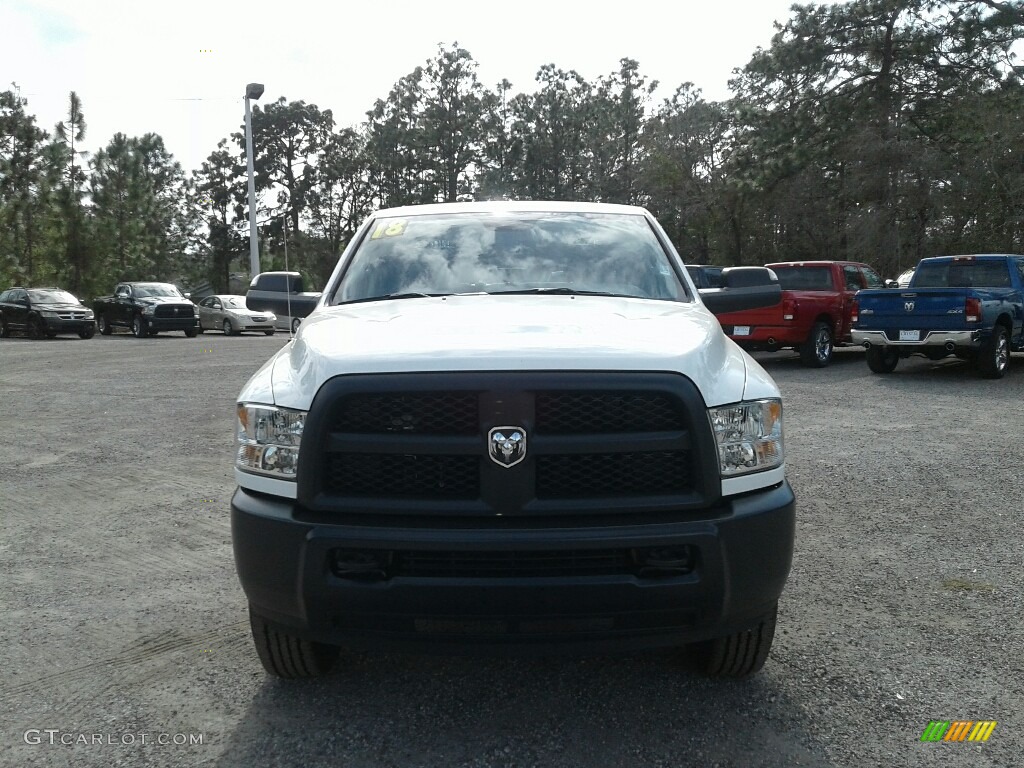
(230, 315)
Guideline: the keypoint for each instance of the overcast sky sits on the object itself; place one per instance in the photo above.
(179, 68)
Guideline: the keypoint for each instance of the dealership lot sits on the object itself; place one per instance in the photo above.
(123, 619)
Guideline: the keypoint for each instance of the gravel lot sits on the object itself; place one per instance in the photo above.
(123, 618)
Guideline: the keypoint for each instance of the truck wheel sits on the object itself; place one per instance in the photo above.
(3, 329)
(284, 655)
(816, 352)
(35, 328)
(88, 332)
(270, 332)
(105, 329)
(191, 332)
(139, 328)
(736, 655)
(882, 360)
(994, 355)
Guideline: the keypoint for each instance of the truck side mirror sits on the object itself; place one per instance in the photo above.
(743, 288)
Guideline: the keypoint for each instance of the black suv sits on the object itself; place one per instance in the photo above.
(44, 312)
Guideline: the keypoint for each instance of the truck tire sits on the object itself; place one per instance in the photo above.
(191, 332)
(994, 355)
(816, 351)
(737, 655)
(284, 655)
(882, 359)
(139, 329)
(3, 329)
(105, 329)
(88, 332)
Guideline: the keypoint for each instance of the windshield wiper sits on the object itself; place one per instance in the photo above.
(559, 291)
(390, 296)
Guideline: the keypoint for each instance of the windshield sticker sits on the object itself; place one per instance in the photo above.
(384, 229)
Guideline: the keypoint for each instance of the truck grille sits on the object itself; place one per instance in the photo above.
(173, 310)
(407, 444)
(404, 475)
(71, 315)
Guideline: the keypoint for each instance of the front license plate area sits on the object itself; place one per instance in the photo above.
(910, 335)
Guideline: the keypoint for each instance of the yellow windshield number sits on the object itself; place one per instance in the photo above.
(384, 229)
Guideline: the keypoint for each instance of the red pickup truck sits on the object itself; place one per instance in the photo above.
(814, 315)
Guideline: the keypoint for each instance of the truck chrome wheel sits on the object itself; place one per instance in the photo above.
(994, 356)
(816, 351)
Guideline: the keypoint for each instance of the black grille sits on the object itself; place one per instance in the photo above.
(596, 443)
(436, 413)
(403, 475)
(172, 310)
(579, 562)
(593, 412)
(613, 474)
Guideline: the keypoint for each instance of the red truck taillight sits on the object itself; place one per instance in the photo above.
(854, 311)
(972, 310)
(789, 308)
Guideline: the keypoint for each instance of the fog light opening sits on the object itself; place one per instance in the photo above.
(362, 565)
(663, 562)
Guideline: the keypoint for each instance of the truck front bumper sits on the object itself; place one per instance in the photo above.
(172, 323)
(590, 586)
(881, 338)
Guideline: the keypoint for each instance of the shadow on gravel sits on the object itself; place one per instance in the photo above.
(841, 358)
(408, 710)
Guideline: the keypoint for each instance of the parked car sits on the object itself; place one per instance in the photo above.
(814, 314)
(903, 280)
(705, 275)
(968, 306)
(44, 312)
(282, 294)
(147, 309)
(514, 423)
(229, 314)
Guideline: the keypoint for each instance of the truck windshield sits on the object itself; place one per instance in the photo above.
(143, 290)
(805, 278)
(535, 252)
(962, 274)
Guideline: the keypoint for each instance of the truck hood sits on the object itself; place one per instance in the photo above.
(163, 300)
(513, 333)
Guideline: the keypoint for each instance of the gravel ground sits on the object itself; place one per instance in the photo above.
(123, 619)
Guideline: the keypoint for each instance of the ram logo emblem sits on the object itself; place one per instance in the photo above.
(507, 445)
(909, 306)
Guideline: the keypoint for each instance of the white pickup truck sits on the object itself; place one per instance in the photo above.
(514, 425)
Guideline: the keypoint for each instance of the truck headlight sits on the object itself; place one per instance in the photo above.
(749, 436)
(148, 309)
(48, 313)
(268, 440)
(90, 315)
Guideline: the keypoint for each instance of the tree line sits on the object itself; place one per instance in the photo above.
(876, 130)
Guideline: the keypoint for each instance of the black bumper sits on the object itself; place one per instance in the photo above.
(741, 555)
(68, 326)
(172, 323)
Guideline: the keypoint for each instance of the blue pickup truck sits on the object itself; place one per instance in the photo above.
(968, 306)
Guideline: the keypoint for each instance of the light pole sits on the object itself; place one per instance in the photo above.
(252, 91)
